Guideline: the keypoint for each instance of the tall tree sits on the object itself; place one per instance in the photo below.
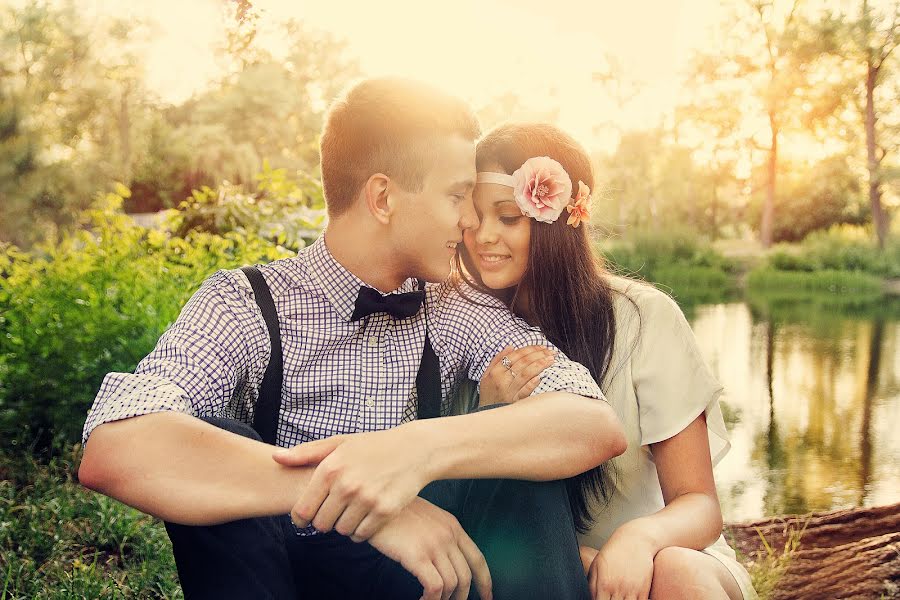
(874, 37)
(768, 53)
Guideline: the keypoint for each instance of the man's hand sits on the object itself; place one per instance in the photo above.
(430, 543)
(362, 480)
(509, 380)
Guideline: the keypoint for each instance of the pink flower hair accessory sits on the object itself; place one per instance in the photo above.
(580, 209)
(542, 188)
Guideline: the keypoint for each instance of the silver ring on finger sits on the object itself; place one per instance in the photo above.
(506, 363)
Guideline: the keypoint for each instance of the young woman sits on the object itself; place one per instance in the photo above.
(651, 528)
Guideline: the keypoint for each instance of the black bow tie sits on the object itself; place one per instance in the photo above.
(399, 306)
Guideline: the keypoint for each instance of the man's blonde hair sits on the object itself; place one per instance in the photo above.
(386, 125)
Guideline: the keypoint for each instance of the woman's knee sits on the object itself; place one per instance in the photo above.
(683, 574)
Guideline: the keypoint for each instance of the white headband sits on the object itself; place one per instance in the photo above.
(498, 178)
(542, 188)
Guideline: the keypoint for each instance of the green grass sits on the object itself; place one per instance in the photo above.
(59, 540)
(768, 568)
(800, 283)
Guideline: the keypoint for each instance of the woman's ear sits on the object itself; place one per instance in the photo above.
(376, 193)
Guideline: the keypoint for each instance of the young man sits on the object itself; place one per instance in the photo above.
(398, 170)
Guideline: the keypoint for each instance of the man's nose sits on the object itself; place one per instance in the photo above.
(468, 218)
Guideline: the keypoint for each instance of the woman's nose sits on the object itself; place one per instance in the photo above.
(486, 232)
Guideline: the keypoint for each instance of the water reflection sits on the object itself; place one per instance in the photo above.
(812, 400)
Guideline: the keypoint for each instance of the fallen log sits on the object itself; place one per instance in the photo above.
(846, 554)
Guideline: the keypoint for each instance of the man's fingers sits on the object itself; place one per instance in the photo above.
(448, 575)
(328, 514)
(481, 575)
(428, 576)
(307, 453)
(369, 526)
(463, 575)
(350, 520)
(313, 497)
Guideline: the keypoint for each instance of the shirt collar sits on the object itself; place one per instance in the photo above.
(339, 285)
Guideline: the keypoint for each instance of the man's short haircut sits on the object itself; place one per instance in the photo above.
(386, 125)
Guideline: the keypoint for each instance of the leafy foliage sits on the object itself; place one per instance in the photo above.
(283, 211)
(95, 302)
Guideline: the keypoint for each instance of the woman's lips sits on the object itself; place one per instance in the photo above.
(493, 262)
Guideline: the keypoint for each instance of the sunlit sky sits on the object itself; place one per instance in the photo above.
(477, 49)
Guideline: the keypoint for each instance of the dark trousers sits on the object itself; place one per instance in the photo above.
(524, 529)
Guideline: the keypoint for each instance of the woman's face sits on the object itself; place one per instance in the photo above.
(499, 246)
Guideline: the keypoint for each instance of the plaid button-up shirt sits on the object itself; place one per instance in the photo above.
(339, 376)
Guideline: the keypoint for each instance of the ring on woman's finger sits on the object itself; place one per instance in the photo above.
(513, 373)
(506, 363)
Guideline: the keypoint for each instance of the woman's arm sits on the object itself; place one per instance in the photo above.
(691, 518)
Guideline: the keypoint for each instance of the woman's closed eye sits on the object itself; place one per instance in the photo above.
(509, 220)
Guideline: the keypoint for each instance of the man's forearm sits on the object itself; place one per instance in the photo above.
(545, 437)
(181, 469)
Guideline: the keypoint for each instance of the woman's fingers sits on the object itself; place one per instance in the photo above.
(498, 357)
(529, 387)
(526, 368)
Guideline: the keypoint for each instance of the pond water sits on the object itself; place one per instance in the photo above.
(812, 402)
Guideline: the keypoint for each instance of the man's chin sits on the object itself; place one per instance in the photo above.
(434, 273)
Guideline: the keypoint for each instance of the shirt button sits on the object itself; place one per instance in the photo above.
(373, 341)
(370, 403)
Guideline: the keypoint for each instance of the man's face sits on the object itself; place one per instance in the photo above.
(429, 224)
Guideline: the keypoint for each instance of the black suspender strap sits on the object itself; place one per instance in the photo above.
(428, 379)
(265, 418)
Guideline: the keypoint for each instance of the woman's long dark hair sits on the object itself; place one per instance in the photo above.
(566, 282)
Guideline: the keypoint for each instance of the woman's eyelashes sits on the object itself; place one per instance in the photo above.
(510, 220)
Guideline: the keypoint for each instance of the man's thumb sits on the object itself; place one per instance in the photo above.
(307, 453)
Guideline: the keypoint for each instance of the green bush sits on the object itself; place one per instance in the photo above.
(647, 251)
(92, 303)
(840, 248)
(284, 211)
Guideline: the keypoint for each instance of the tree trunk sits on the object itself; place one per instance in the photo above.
(768, 213)
(125, 135)
(879, 217)
(848, 554)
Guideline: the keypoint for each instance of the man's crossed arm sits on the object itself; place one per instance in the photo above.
(184, 470)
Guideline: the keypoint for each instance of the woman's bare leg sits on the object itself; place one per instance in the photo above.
(683, 574)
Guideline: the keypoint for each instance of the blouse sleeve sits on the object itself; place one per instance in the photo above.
(672, 382)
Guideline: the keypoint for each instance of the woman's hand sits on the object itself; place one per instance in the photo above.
(514, 374)
(623, 568)
(588, 555)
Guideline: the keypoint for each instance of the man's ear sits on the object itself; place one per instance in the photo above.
(376, 193)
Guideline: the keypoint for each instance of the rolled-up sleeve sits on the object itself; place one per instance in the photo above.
(475, 327)
(218, 340)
